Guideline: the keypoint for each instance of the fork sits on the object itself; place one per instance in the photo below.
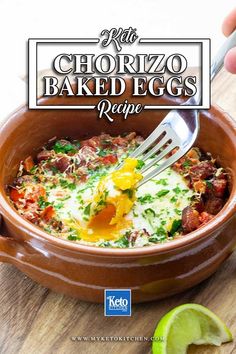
(179, 129)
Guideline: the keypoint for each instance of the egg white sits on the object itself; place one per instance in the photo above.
(70, 204)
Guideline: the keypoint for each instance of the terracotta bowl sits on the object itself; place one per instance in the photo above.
(84, 272)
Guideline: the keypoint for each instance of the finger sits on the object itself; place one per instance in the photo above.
(229, 23)
(230, 61)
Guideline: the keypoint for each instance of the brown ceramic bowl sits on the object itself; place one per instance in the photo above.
(82, 271)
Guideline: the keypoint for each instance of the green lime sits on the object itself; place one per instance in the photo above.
(188, 324)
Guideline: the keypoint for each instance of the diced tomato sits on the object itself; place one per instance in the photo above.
(28, 163)
(15, 195)
(205, 217)
(37, 191)
(199, 186)
(109, 159)
(193, 154)
(177, 166)
(48, 213)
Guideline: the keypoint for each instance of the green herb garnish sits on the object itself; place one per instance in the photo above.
(122, 242)
(176, 226)
(58, 147)
(177, 190)
(105, 244)
(33, 169)
(155, 238)
(58, 206)
(149, 212)
(173, 200)
(129, 192)
(178, 211)
(87, 209)
(140, 164)
(162, 192)
(162, 181)
(65, 184)
(147, 198)
(72, 237)
(186, 164)
(43, 203)
(209, 184)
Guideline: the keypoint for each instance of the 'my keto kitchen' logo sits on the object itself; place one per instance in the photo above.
(117, 302)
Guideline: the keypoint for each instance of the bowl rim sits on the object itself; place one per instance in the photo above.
(9, 213)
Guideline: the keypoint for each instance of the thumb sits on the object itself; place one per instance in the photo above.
(230, 61)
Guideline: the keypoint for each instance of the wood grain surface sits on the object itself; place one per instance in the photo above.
(36, 320)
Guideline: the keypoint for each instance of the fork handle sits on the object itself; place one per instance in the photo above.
(218, 60)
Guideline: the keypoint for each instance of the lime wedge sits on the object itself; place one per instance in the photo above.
(188, 324)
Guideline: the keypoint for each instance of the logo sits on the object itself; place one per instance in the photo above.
(117, 302)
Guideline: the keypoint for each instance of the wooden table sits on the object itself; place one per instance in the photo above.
(36, 320)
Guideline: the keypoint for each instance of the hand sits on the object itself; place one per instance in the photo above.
(229, 25)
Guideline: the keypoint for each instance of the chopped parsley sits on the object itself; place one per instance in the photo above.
(65, 184)
(177, 211)
(149, 212)
(64, 198)
(161, 231)
(54, 169)
(33, 169)
(47, 229)
(209, 184)
(122, 242)
(129, 192)
(43, 203)
(177, 190)
(173, 200)
(104, 244)
(159, 236)
(140, 164)
(72, 237)
(176, 226)
(186, 164)
(147, 198)
(102, 153)
(87, 209)
(58, 206)
(63, 148)
(162, 192)
(162, 181)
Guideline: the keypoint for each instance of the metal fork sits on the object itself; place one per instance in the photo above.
(178, 130)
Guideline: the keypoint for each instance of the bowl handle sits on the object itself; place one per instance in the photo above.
(11, 250)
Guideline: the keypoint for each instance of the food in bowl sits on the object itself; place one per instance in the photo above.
(59, 189)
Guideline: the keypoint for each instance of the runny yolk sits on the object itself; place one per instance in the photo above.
(100, 226)
(109, 206)
(115, 194)
(102, 220)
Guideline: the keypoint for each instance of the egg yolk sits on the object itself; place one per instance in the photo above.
(117, 189)
(113, 199)
(99, 226)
